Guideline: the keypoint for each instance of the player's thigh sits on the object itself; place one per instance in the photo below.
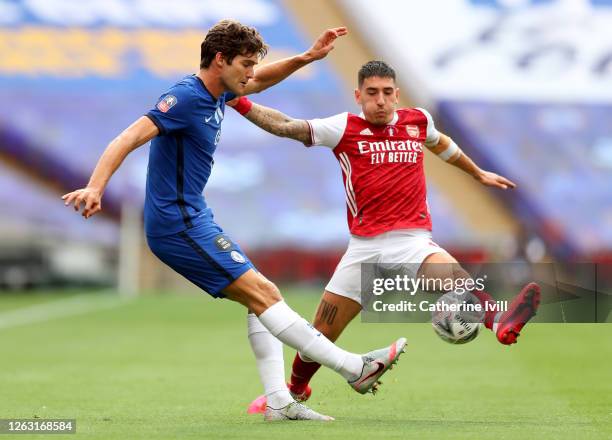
(254, 291)
(416, 254)
(334, 313)
(441, 265)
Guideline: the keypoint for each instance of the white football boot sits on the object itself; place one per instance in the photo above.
(375, 364)
(294, 411)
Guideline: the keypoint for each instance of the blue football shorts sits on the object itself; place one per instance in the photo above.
(204, 255)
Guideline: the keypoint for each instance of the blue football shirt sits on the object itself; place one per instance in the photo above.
(181, 156)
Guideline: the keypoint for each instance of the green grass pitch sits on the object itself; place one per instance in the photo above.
(179, 367)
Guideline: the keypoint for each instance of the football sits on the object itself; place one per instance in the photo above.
(457, 318)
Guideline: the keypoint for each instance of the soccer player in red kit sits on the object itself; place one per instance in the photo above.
(380, 153)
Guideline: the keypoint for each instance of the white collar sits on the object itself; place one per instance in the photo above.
(393, 121)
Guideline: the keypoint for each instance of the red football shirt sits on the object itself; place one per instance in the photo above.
(382, 168)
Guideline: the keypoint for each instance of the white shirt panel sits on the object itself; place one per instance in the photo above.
(328, 131)
(433, 135)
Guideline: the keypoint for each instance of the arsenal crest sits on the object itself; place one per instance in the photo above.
(413, 131)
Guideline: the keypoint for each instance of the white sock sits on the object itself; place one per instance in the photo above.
(304, 357)
(269, 357)
(296, 332)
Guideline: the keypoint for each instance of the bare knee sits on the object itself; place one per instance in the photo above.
(254, 291)
(460, 273)
(269, 292)
(261, 296)
(441, 267)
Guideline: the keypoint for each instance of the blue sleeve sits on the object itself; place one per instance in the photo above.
(173, 110)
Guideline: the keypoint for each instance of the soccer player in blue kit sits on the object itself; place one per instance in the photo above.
(185, 128)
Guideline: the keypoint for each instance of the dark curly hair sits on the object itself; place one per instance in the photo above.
(375, 68)
(231, 38)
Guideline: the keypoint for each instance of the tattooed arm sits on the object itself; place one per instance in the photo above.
(279, 124)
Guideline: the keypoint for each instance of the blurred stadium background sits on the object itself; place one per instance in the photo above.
(523, 85)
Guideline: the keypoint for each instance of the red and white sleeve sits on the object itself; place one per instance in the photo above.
(433, 135)
(328, 131)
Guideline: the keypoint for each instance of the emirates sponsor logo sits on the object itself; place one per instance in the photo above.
(372, 147)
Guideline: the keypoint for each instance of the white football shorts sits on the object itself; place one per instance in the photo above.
(401, 246)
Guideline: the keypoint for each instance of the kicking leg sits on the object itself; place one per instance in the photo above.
(506, 325)
(263, 298)
(333, 314)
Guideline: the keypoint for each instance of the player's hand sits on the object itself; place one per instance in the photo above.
(325, 43)
(491, 179)
(90, 198)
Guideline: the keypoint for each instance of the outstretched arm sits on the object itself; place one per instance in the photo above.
(447, 150)
(273, 121)
(137, 134)
(270, 74)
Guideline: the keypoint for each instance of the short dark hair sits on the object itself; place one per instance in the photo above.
(375, 68)
(231, 38)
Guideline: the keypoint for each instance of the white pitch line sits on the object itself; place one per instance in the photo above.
(71, 306)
